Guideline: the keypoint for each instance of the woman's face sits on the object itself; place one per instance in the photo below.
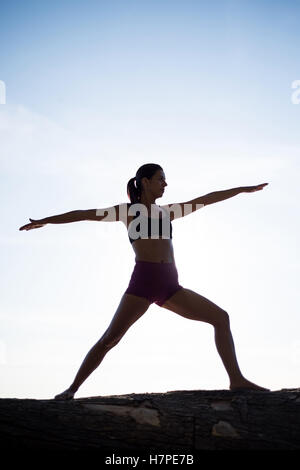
(156, 185)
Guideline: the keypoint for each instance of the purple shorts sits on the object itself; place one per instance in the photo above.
(157, 282)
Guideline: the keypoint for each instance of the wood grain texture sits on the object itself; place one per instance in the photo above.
(185, 421)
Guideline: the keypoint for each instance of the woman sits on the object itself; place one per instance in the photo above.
(154, 278)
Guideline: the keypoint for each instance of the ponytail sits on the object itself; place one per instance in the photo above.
(132, 191)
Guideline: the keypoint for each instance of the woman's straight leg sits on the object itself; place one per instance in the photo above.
(130, 309)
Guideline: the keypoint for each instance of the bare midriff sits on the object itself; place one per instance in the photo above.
(152, 250)
(155, 251)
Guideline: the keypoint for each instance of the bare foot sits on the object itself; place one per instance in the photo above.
(66, 395)
(246, 385)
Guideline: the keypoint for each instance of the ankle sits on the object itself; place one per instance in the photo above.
(236, 381)
(73, 389)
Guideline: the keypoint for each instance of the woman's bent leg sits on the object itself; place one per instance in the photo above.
(194, 306)
(130, 309)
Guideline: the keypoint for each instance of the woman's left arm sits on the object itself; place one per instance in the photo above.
(218, 196)
(182, 209)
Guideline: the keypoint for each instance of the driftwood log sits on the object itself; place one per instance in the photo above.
(184, 422)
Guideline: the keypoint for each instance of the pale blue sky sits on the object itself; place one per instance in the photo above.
(93, 91)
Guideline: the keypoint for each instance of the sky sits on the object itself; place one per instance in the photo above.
(89, 92)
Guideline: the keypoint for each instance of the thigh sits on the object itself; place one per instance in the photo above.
(130, 309)
(189, 304)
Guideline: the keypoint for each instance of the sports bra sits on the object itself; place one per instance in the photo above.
(156, 227)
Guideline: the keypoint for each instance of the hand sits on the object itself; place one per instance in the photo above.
(251, 189)
(33, 224)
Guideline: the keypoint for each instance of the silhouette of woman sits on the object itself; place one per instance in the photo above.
(155, 277)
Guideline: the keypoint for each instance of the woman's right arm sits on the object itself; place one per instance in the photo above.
(110, 214)
(65, 218)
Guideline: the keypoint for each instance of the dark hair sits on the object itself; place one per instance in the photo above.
(134, 185)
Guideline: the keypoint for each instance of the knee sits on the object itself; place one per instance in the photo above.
(108, 341)
(222, 319)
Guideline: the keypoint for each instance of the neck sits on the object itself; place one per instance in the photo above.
(147, 200)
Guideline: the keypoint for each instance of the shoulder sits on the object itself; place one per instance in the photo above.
(181, 209)
(167, 209)
(122, 211)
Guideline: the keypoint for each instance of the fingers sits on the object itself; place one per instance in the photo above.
(24, 227)
(260, 186)
(30, 226)
(34, 223)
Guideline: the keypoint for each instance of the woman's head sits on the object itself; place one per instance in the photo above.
(148, 177)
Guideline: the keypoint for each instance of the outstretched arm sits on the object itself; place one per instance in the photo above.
(110, 214)
(218, 196)
(65, 218)
(184, 208)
